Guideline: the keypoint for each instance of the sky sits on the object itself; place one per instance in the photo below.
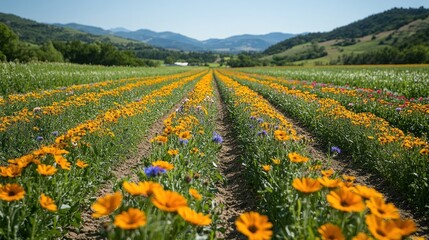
(204, 19)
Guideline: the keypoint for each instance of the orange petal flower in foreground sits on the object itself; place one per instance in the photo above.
(266, 168)
(345, 200)
(163, 164)
(361, 236)
(306, 185)
(106, 205)
(254, 226)
(382, 229)
(46, 170)
(81, 164)
(168, 201)
(131, 219)
(330, 231)
(406, 227)
(47, 203)
(381, 209)
(11, 192)
(329, 183)
(193, 217)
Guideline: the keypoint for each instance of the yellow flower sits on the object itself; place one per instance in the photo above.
(47, 203)
(281, 135)
(160, 139)
(173, 152)
(11, 192)
(406, 227)
(330, 231)
(195, 194)
(168, 201)
(163, 164)
(142, 188)
(382, 229)
(306, 185)
(329, 183)
(46, 170)
(276, 161)
(361, 236)
(254, 226)
(327, 173)
(185, 135)
(106, 205)
(266, 168)
(193, 217)
(424, 151)
(81, 164)
(131, 219)
(297, 158)
(366, 192)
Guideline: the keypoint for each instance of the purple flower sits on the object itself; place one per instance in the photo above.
(153, 171)
(252, 117)
(262, 133)
(39, 138)
(183, 141)
(260, 120)
(336, 149)
(398, 109)
(217, 138)
(54, 133)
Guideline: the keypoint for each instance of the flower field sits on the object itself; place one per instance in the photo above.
(62, 141)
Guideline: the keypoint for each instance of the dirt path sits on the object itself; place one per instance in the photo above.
(234, 193)
(92, 227)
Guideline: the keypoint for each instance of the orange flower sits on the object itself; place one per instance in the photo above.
(11, 192)
(406, 227)
(266, 168)
(329, 183)
(10, 171)
(380, 209)
(173, 152)
(163, 164)
(349, 178)
(195, 194)
(276, 161)
(81, 164)
(424, 151)
(330, 231)
(327, 173)
(366, 192)
(47, 203)
(281, 135)
(168, 201)
(185, 135)
(254, 226)
(361, 236)
(106, 205)
(160, 139)
(193, 217)
(306, 185)
(345, 200)
(297, 158)
(142, 188)
(131, 219)
(46, 170)
(383, 229)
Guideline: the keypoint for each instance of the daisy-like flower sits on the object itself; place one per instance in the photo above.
(383, 229)
(11, 192)
(407, 227)
(159, 139)
(281, 135)
(173, 152)
(366, 192)
(104, 206)
(195, 194)
(361, 236)
(297, 158)
(217, 138)
(382, 209)
(145, 189)
(163, 164)
(133, 218)
(46, 170)
(47, 203)
(327, 173)
(254, 226)
(276, 161)
(330, 231)
(266, 168)
(193, 217)
(154, 171)
(81, 164)
(185, 135)
(345, 200)
(329, 183)
(168, 201)
(306, 185)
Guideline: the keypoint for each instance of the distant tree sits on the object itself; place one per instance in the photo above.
(169, 60)
(8, 42)
(50, 53)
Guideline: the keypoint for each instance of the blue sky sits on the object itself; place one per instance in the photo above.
(202, 19)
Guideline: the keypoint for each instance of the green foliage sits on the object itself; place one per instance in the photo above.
(314, 51)
(8, 42)
(244, 60)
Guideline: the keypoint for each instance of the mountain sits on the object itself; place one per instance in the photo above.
(171, 40)
(386, 21)
(395, 29)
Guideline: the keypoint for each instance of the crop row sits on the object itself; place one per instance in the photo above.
(42, 192)
(404, 114)
(371, 141)
(302, 195)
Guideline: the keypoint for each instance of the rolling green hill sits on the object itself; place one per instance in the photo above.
(395, 30)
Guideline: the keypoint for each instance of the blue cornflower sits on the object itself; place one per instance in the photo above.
(262, 133)
(260, 120)
(217, 138)
(183, 141)
(39, 138)
(54, 133)
(153, 171)
(336, 149)
(398, 109)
